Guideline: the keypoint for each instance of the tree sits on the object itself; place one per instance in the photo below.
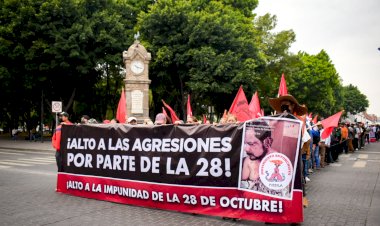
(71, 50)
(57, 46)
(315, 83)
(274, 48)
(354, 101)
(200, 47)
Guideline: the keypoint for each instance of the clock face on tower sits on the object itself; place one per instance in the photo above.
(137, 66)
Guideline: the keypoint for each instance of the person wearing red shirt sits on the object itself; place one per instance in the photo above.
(56, 139)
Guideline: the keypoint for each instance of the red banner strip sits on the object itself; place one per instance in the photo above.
(223, 202)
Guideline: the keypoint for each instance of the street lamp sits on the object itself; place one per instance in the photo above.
(42, 116)
(211, 113)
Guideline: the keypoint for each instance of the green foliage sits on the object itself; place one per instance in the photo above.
(274, 49)
(200, 47)
(56, 46)
(354, 100)
(314, 83)
(72, 51)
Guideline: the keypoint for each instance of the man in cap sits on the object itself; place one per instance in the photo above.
(287, 104)
(84, 119)
(132, 121)
(56, 139)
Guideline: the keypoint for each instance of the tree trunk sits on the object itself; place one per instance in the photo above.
(71, 100)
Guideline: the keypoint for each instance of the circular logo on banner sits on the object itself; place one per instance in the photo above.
(276, 171)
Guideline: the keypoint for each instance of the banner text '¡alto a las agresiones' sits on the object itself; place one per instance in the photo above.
(210, 144)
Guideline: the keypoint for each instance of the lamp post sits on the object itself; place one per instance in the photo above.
(211, 113)
(42, 117)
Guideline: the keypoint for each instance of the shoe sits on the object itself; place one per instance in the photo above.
(311, 171)
(356, 149)
(307, 179)
(305, 202)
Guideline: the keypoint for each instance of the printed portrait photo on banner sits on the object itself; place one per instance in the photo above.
(268, 156)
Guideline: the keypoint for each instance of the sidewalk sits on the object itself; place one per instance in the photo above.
(346, 192)
(21, 144)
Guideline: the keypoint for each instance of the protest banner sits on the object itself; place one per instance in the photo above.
(248, 171)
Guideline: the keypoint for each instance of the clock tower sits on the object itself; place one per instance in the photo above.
(136, 61)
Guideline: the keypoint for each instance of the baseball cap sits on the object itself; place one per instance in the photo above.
(64, 114)
(130, 119)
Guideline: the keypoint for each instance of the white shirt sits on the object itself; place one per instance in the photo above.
(326, 140)
(306, 136)
(357, 132)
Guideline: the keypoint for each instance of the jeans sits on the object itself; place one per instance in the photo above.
(305, 166)
(316, 157)
(311, 160)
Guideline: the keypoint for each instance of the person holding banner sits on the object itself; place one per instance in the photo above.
(56, 139)
(192, 120)
(231, 119)
(288, 106)
(132, 121)
(160, 119)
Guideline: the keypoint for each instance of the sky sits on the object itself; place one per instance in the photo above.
(349, 31)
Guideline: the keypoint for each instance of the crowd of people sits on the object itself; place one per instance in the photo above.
(160, 119)
(317, 152)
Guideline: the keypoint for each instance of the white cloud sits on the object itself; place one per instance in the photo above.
(348, 30)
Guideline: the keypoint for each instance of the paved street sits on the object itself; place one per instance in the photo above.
(344, 193)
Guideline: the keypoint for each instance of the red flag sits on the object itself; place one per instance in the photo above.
(173, 115)
(164, 112)
(310, 115)
(315, 119)
(121, 113)
(254, 106)
(262, 112)
(303, 119)
(189, 111)
(282, 90)
(204, 119)
(225, 114)
(329, 124)
(240, 106)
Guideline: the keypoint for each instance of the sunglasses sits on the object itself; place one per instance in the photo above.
(285, 107)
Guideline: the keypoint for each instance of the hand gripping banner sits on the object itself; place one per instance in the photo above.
(248, 171)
